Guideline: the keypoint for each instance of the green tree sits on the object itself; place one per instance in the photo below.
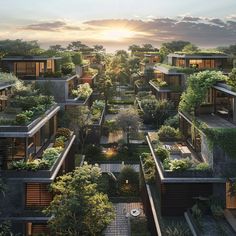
(190, 48)
(106, 88)
(157, 111)
(78, 208)
(128, 121)
(19, 47)
(232, 78)
(56, 48)
(175, 46)
(77, 58)
(80, 121)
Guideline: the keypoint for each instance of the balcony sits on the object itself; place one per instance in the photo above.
(25, 130)
(179, 150)
(40, 167)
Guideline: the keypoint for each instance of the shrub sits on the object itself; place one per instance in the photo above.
(93, 152)
(177, 229)
(59, 143)
(166, 164)
(196, 212)
(167, 132)
(67, 68)
(217, 211)
(50, 154)
(22, 119)
(65, 132)
(162, 153)
(202, 167)
(180, 165)
(149, 166)
(130, 188)
(172, 121)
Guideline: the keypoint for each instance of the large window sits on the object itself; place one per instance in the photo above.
(25, 68)
(37, 195)
(202, 63)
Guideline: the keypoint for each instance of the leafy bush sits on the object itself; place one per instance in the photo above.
(65, 132)
(22, 119)
(162, 153)
(59, 143)
(167, 132)
(177, 229)
(180, 165)
(51, 154)
(128, 181)
(83, 91)
(172, 121)
(37, 164)
(166, 164)
(93, 152)
(202, 167)
(67, 68)
(196, 212)
(149, 166)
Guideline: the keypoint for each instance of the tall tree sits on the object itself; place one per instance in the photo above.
(78, 207)
(80, 121)
(128, 121)
(19, 47)
(175, 46)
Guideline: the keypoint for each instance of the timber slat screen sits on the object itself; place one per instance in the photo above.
(37, 195)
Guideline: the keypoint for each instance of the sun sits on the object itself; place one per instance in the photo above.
(117, 34)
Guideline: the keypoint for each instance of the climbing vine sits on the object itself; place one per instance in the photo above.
(198, 85)
(224, 138)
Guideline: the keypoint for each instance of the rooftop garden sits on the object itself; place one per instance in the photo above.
(176, 69)
(210, 52)
(6, 78)
(173, 154)
(49, 156)
(164, 85)
(97, 110)
(25, 104)
(83, 91)
(198, 86)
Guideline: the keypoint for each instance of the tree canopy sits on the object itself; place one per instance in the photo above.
(78, 207)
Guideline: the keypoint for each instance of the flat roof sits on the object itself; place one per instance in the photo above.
(214, 121)
(167, 71)
(200, 56)
(225, 89)
(28, 58)
(5, 86)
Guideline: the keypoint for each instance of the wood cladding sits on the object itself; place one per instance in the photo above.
(37, 195)
(33, 229)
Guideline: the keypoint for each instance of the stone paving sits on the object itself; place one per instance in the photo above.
(116, 167)
(119, 226)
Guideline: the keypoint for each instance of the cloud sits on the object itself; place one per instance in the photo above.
(199, 30)
(51, 26)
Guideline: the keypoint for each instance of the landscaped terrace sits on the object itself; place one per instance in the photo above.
(45, 161)
(174, 157)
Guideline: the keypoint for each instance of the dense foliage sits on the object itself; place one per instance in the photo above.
(198, 85)
(78, 208)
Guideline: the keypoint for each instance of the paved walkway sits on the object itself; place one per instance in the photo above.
(119, 226)
(116, 167)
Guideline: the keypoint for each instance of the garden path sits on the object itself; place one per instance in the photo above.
(119, 226)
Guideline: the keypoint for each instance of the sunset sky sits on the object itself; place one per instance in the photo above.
(119, 23)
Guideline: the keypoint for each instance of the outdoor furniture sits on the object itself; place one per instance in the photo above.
(185, 152)
(135, 212)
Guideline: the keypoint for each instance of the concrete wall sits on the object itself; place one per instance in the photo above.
(59, 89)
(206, 152)
(12, 202)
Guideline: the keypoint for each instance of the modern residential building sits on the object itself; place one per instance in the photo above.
(168, 83)
(179, 190)
(31, 158)
(28, 67)
(201, 61)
